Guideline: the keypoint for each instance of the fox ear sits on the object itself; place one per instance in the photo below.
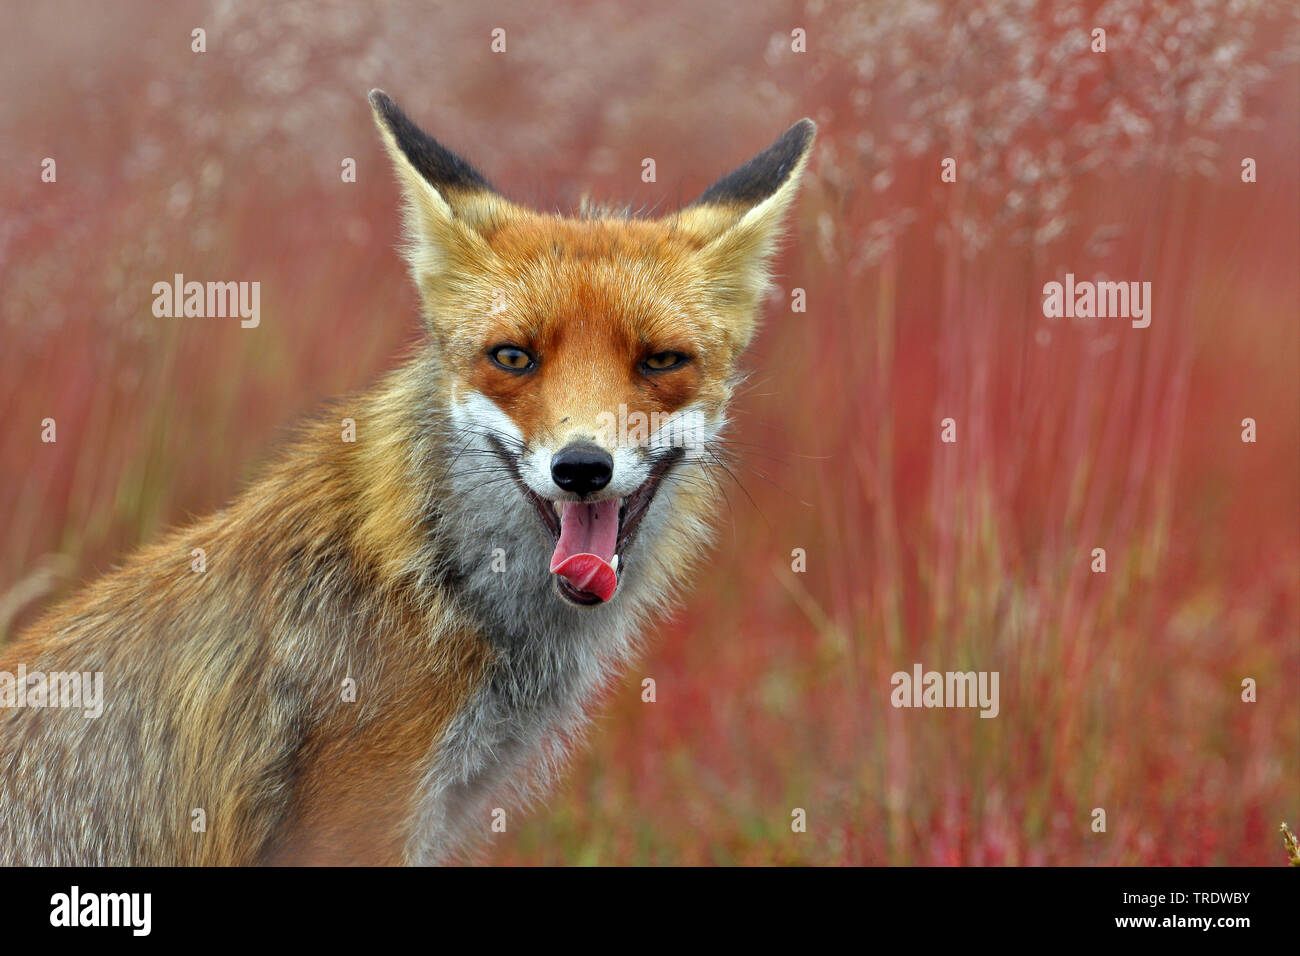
(449, 204)
(738, 219)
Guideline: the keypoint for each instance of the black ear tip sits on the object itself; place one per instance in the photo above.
(383, 104)
(765, 173)
(801, 134)
(442, 168)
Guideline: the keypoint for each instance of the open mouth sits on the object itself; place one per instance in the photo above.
(592, 537)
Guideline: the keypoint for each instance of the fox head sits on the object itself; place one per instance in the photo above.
(593, 356)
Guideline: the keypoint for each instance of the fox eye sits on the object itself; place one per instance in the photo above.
(662, 361)
(512, 358)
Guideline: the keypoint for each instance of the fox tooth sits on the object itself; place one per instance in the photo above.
(614, 563)
(558, 510)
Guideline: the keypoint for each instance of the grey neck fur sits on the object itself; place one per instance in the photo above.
(551, 658)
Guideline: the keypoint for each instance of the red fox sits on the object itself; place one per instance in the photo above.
(383, 638)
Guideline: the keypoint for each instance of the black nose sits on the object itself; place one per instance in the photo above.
(582, 468)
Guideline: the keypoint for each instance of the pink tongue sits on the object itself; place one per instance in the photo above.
(588, 536)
